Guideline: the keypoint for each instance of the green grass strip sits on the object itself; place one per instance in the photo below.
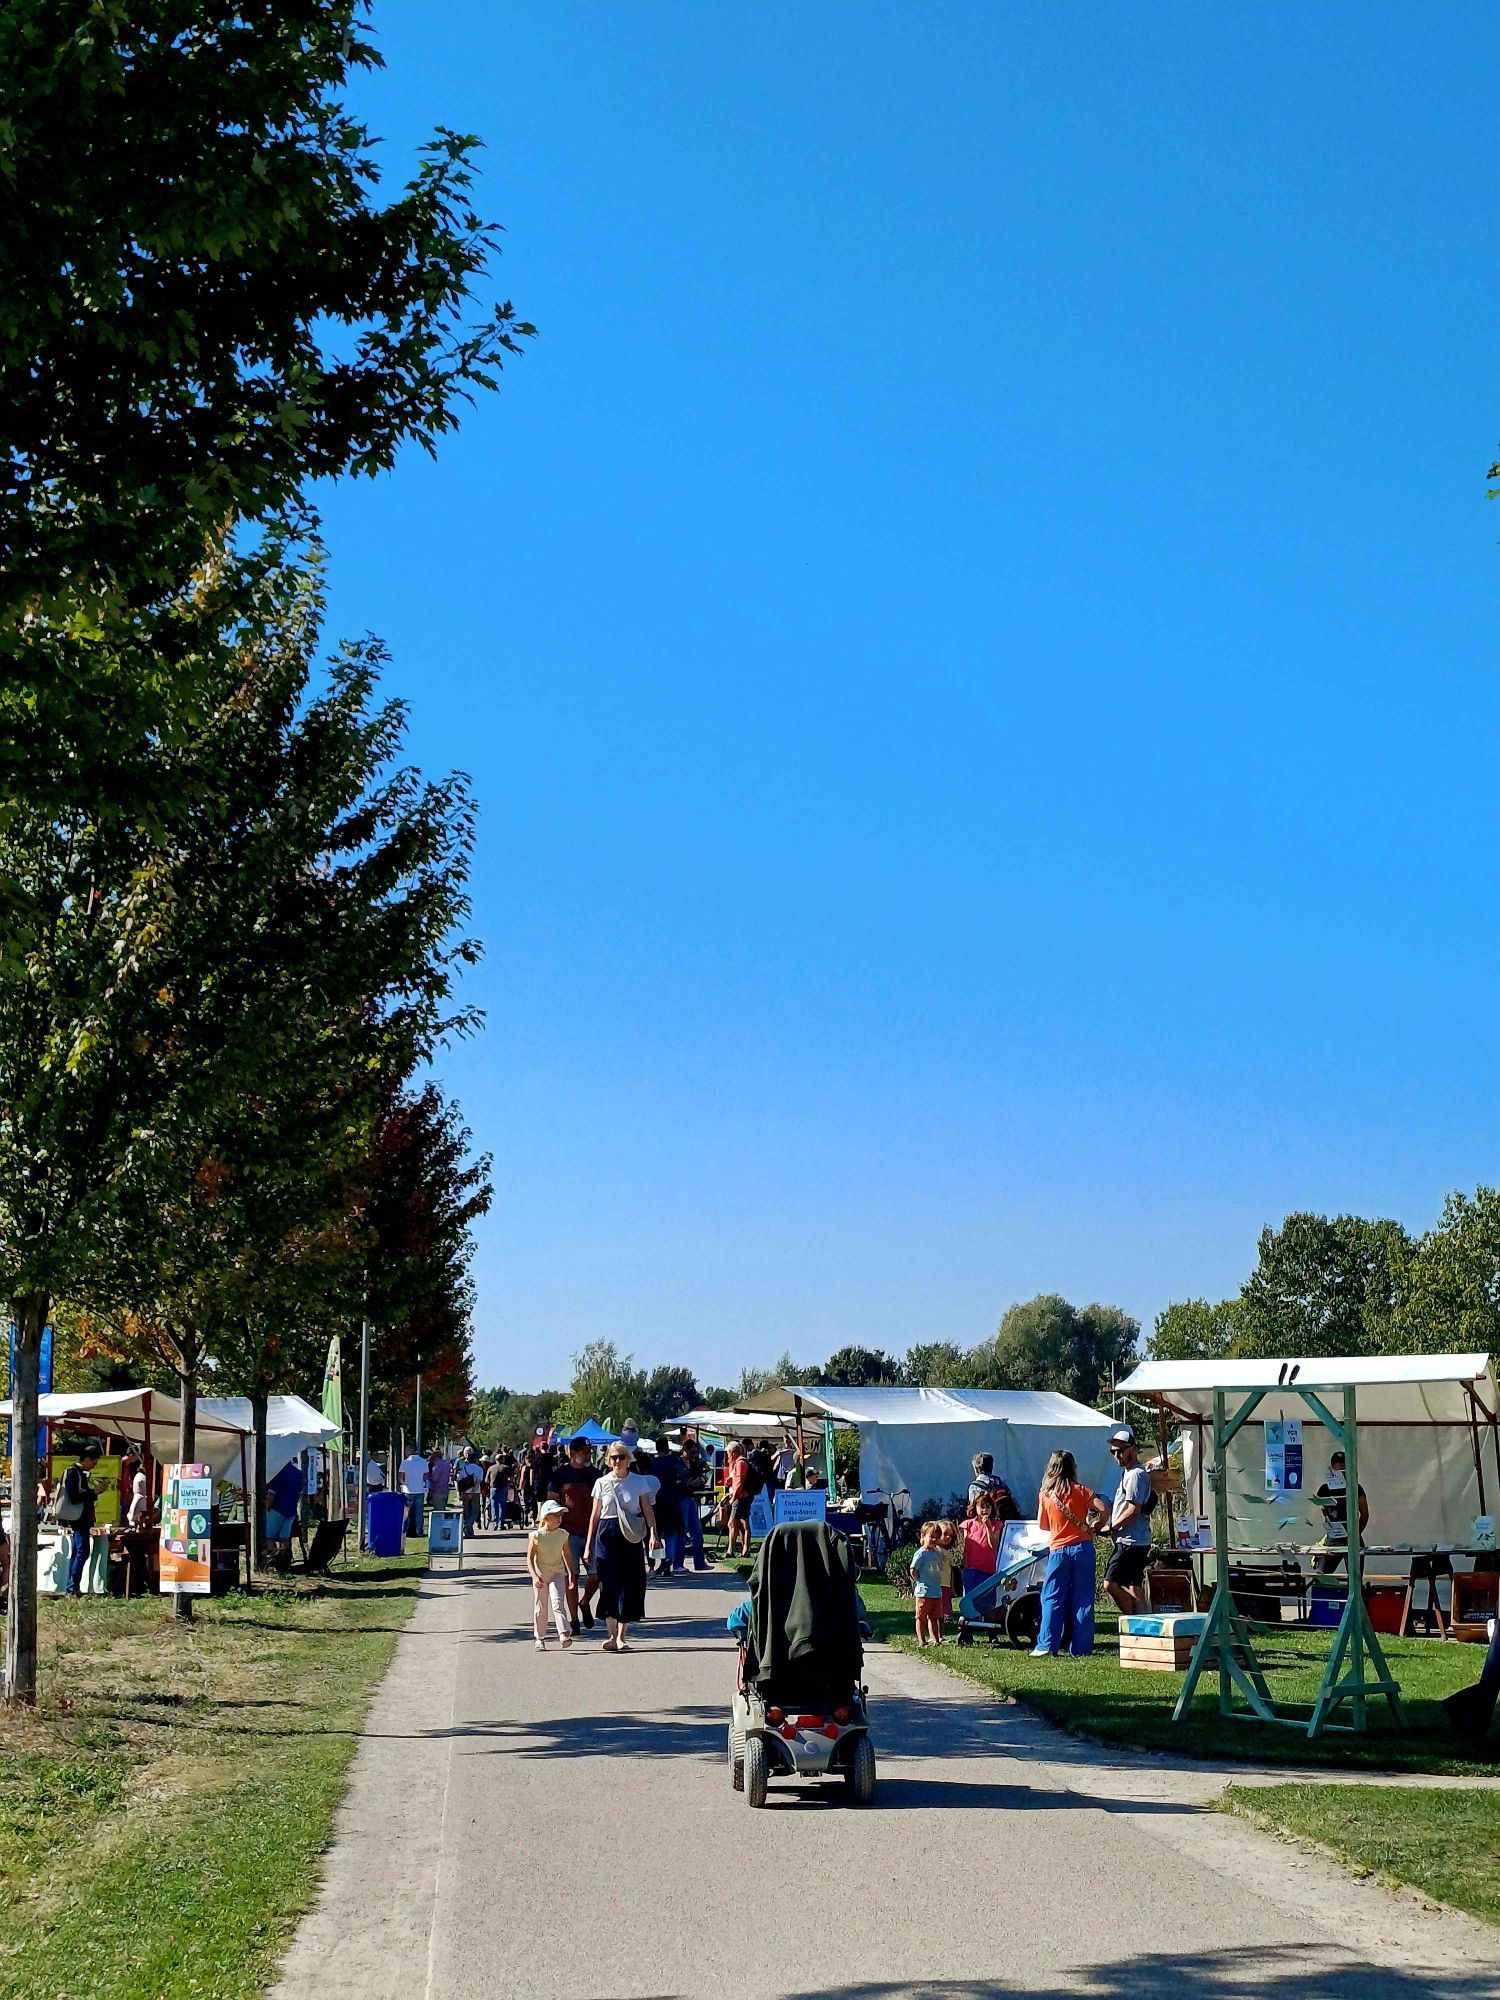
(1444, 1842)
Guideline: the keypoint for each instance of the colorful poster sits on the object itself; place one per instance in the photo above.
(187, 1530)
(1284, 1455)
(792, 1505)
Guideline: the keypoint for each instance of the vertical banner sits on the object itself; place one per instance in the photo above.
(1275, 1455)
(333, 1409)
(187, 1530)
(43, 1387)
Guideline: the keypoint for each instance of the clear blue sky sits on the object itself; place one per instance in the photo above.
(974, 630)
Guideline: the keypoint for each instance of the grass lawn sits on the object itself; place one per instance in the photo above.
(162, 1812)
(1445, 1843)
(1096, 1697)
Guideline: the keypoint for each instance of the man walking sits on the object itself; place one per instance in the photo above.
(75, 1510)
(1129, 1524)
(572, 1487)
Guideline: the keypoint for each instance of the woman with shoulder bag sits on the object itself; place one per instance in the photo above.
(620, 1525)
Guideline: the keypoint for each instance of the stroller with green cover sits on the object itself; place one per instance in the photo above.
(799, 1702)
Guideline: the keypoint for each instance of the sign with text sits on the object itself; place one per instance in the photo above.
(187, 1530)
(760, 1516)
(1284, 1455)
(792, 1505)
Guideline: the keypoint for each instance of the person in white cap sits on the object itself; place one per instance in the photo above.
(553, 1572)
(1129, 1524)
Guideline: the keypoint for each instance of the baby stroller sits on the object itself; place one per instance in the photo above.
(799, 1706)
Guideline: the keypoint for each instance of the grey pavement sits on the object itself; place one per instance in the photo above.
(563, 1824)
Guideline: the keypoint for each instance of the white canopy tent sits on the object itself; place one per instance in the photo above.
(921, 1441)
(292, 1425)
(733, 1423)
(1429, 1441)
(149, 1418)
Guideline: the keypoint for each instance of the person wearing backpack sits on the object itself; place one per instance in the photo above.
(1129, 1524)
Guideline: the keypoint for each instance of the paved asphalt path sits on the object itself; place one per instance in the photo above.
(537, 1825)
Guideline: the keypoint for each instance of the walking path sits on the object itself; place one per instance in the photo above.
(563, 1824)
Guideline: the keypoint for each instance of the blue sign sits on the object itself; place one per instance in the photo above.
(792, 1504)
(43, 1386)
(760, 1516)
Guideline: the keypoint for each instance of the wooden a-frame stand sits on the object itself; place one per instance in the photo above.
(1356, 1666)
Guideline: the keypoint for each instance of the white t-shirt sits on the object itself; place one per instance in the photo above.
(624, 1494)
(414, 1474)
(786, 1458)
(374, 1475)
(140, 1501)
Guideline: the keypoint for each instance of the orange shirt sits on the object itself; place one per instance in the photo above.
(1066, 1518)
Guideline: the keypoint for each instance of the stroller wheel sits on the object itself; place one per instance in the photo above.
(859, 1772)
(736, 1759)
(1023, 1621)
(757, 1771)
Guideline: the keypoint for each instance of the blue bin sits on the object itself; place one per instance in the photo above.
(385, 1516)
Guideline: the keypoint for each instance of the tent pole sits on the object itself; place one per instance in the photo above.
(245, 1489)
(1474, 1440)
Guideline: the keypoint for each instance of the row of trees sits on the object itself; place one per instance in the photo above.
(1044, 1343)
(232, 919)
(1349, 1285)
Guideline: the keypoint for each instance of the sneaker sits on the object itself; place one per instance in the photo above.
(541, 1645)
(567, 1639)
(1040, 1653)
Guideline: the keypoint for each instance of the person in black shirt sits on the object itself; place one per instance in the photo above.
(1333, 1497)
(76, 1512)
(572, 1486)
(670, 1471)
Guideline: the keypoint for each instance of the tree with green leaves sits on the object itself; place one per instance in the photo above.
(1323, 1285)
(666, 1393)
(206, 306)
(1449, 1296)
(606, 1385)
(1046, 1343)
(1195, 1330)
(859, 1368)
(936, 1364)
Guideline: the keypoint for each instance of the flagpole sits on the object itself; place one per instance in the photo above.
(364, 1427)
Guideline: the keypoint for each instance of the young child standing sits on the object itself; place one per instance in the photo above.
(549, 1557)
(929, 1572)
(951, 1542)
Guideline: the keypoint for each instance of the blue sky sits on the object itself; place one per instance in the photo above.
(973, 629)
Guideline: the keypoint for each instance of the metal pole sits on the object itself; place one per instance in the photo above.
(418, 1446)
(364, 1426)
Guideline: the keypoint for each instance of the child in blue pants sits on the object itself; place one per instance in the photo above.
(1070, 1513)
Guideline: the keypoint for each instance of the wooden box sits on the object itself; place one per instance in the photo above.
(1165, 1655)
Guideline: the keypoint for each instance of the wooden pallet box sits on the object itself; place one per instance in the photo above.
(1161, 1644)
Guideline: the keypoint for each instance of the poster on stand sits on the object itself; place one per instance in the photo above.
(187, 1530)
(760, 1517)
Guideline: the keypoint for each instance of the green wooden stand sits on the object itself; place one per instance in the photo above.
(1356, 1666)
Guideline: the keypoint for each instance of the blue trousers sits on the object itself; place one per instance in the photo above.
(672, 1549)
(694, 1529)
(78, 1555)
(1068, 1600)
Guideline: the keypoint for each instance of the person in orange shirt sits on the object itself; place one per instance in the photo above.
(1070, 1513)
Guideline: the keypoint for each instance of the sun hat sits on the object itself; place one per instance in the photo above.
(550, 1507)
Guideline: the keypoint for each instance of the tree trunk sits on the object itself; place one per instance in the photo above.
(188, 1350)
(20, 1623)
(256, 1502)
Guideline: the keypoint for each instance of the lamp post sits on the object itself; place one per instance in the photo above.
(364, 1428)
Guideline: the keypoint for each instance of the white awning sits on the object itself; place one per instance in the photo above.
(1390, 1388)
(149, 1418)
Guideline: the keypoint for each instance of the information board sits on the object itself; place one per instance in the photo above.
(1284, 1455)
(187, 1530)
(760, 1516)
(791, 1504)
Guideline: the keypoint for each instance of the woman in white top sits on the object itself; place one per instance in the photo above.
(622, 1521)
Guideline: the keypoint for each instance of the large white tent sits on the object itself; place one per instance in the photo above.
(921, 1441)
(1429, 1441)
(149, 1418)
(292, 1425)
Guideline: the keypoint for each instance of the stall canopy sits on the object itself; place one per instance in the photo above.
(1429, 1444)
(733, 1423)
(590, 1432)
(922, 1440)
(292, 1426)
(148, 1418)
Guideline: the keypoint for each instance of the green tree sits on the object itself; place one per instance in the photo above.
(859, 1368)
(936, 1364)
(1449, 1301)
(606, 1385)
(667, 1393)
(205, 308)
(1323, 1285)
(1195, 1330)
(1046, 1343)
